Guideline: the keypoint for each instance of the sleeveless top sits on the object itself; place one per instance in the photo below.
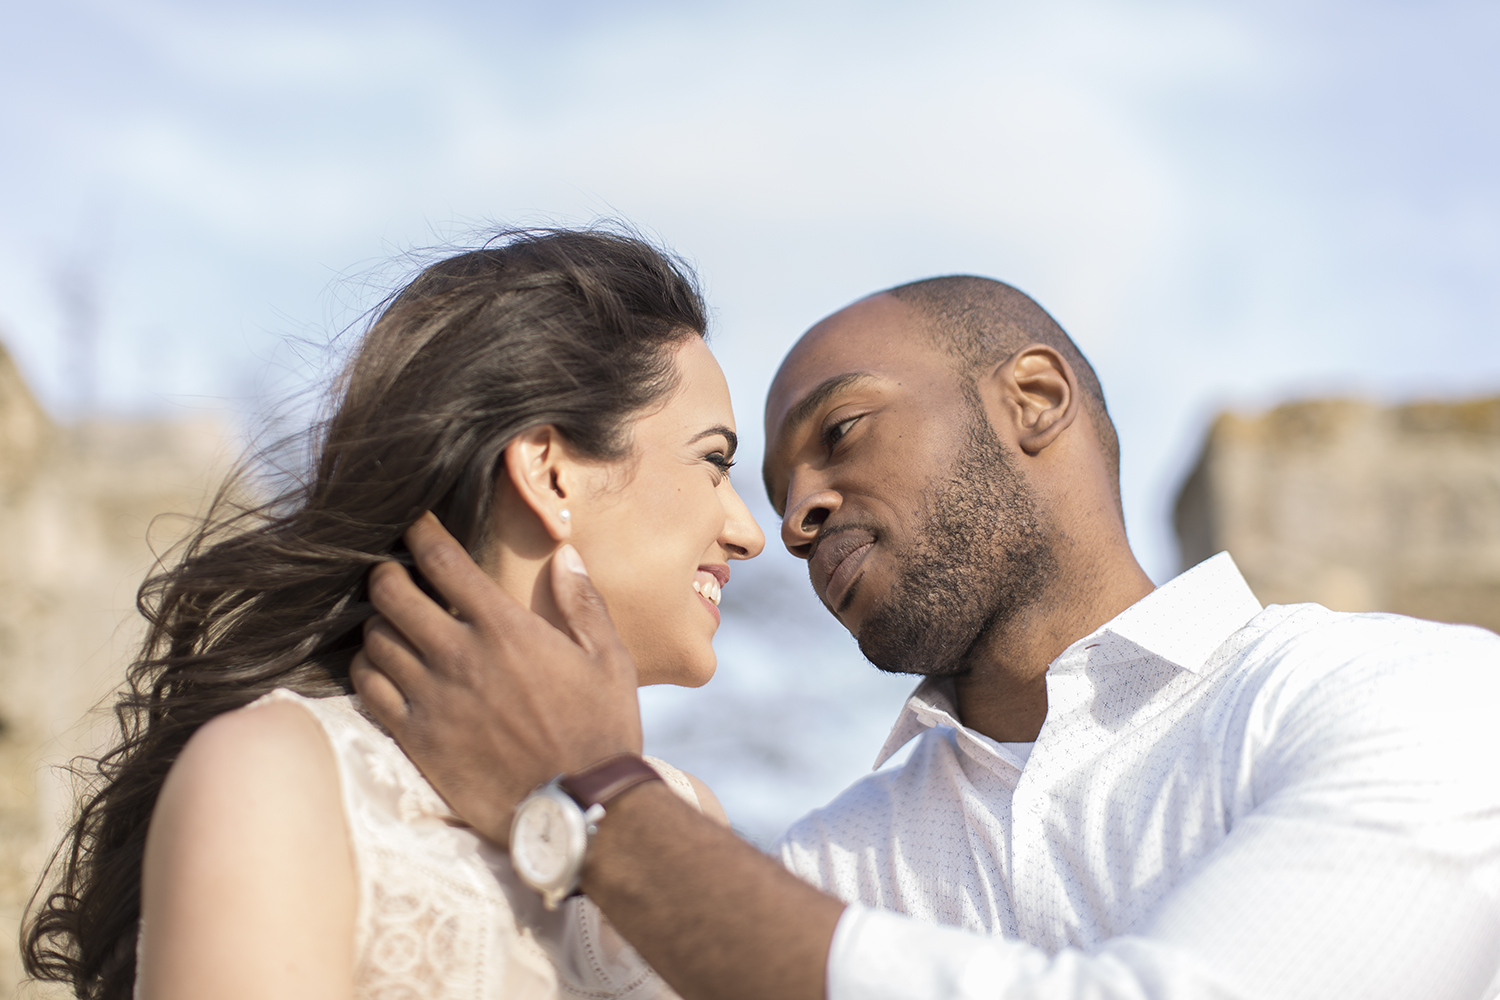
(441, 913)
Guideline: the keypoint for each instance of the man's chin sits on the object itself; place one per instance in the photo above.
(897, 648)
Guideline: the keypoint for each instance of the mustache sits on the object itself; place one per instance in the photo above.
(824, 534)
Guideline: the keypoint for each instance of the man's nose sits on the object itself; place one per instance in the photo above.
(805, 518)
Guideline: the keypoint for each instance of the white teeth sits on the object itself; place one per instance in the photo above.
(710, 590)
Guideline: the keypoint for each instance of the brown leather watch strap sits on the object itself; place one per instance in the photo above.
(598, 783)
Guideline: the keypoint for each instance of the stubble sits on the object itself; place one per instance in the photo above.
(984, 555)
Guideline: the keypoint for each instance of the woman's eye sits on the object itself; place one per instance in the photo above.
(720, 461)
(835, 433)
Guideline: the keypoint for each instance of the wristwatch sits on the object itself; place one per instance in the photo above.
(550, 833)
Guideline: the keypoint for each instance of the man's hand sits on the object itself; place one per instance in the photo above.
(491, 701)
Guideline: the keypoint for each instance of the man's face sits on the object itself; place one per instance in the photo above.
(920, 535)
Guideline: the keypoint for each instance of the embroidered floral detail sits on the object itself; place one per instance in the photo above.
(441, 914)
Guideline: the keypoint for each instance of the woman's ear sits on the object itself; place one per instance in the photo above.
(1040, 392)
(544, 475)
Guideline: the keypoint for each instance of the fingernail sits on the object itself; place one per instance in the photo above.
(572, 560)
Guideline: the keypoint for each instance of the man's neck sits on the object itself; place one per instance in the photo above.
(1004, 694)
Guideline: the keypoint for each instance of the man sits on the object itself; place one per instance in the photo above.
(1116, 791)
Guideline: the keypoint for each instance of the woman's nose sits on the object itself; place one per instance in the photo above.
(742, 538)
(804, 519)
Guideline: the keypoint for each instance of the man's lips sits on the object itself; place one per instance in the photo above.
(836, 562)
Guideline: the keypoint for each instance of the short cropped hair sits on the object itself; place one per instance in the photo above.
(981, 321)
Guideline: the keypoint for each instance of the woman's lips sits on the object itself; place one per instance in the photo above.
(837, 562)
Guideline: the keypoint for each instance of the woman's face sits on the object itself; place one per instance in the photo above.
(659, 529)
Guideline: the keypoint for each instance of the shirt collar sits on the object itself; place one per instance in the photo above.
(931, 704)
(1182, 622)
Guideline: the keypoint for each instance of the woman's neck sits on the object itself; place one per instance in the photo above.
(525, 576)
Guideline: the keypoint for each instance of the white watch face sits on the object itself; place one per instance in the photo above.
(542, 843)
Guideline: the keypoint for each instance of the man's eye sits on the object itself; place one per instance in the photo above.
(835, 433)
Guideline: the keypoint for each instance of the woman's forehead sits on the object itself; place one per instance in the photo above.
(701, 398)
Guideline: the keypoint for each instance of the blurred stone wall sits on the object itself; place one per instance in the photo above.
(76, 506)
(1355, 506)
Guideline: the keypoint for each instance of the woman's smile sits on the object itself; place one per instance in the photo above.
(670, 503)
(708, 584)
(708, 587)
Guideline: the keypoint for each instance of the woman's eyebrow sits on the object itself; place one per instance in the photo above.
(729, 435)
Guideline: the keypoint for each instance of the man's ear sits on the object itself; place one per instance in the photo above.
(1040, 392)
(544, 474)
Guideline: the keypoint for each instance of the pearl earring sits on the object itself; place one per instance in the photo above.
(564, 515)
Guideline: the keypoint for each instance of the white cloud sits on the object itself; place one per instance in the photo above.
(1219, 200)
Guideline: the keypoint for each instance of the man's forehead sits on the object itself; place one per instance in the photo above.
(880, 335)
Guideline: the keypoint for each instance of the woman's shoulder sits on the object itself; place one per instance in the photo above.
(690, 788)
(273, 732)
(282, 755)
(380, 784)
(247, 841)
(273, 753)
(331, 714)
(340, 723)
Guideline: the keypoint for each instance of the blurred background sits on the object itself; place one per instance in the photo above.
(1230, 205)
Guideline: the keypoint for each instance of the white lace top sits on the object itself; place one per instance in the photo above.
(441, 913)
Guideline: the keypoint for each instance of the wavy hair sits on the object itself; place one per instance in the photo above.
(572, 328)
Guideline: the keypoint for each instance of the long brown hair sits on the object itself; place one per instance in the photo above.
(562, 327)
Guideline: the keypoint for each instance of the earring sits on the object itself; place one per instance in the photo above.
(564, 515)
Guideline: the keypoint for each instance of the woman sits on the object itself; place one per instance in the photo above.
(253, 834)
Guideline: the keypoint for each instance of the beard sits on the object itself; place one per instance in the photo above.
(983, 556)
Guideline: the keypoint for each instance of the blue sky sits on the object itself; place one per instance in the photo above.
(1226, 204)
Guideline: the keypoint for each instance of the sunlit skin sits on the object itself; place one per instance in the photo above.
(866, 412)
(649, 526)
(248, 884)
(859, 456)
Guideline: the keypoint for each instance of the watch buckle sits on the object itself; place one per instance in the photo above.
(591, 817)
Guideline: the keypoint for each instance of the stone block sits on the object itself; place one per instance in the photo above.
(1356, 506)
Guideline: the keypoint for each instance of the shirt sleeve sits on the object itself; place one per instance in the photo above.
(1367, 865)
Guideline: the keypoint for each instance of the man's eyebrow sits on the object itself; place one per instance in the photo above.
(824, 391)
(729, 435)
(805, 408)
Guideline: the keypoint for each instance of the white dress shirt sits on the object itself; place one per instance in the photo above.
(1224, 801)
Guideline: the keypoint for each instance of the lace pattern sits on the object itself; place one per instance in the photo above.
(441, 913)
